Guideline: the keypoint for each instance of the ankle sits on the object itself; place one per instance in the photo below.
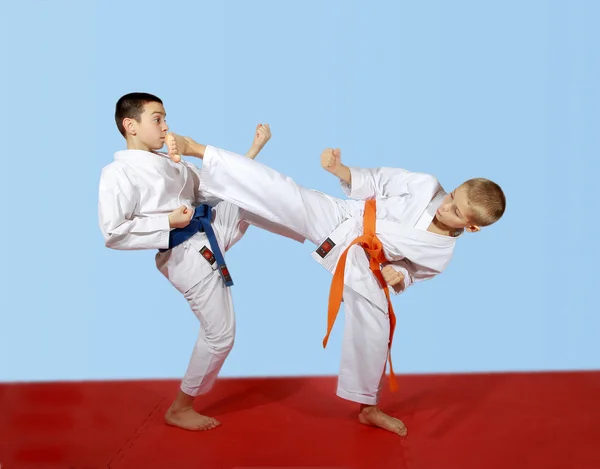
(178, 408)
(182, 403)
(367, 409)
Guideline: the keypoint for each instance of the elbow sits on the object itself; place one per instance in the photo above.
(112, 242)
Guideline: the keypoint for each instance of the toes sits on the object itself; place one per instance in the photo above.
(206, 426)
(401, 430)
(212, 423)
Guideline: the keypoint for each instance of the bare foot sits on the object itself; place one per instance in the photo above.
(371, 415)
(173, 143)
(178, 145)
(188, 419)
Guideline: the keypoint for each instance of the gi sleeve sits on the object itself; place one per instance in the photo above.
(370, 183)
(411, 274)
(121, 228)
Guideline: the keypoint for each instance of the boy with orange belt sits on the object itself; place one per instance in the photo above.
(400, 229)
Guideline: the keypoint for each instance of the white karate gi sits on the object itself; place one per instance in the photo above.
(137, 192)
(406, 205)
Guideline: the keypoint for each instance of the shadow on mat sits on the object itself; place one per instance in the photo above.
(253, 394)
(453, 400)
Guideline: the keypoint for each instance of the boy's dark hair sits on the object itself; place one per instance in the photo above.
(132, 106)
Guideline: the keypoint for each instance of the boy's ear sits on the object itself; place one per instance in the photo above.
(129, 125)
(473, 228)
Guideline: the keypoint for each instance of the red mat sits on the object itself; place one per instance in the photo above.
(478, 421)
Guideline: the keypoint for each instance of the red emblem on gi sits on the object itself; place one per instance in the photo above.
(207, 254)
(325, 247)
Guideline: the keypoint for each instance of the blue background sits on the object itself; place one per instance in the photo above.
(504, 90)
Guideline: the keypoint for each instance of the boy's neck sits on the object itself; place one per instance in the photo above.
(137, 146)
(438, 227)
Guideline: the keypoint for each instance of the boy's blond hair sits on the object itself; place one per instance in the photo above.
(487, 200)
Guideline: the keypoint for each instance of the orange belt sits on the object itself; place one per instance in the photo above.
(371, 244)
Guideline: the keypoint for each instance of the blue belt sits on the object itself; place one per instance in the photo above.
(201, 222)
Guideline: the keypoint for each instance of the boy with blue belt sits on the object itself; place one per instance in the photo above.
(148, 201)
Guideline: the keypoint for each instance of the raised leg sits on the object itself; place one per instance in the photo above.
(269, 194)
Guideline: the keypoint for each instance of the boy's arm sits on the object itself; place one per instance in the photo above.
(120, 228)
(410, 276)
(369, 183)
(261, 136)
(366, 183)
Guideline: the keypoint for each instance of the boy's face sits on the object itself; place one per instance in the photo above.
(455, 211)
(152, 129)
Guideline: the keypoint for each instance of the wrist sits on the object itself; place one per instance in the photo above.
(344, 174)
(254, 151)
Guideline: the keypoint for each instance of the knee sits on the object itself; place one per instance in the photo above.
(226, 343)
(222, 342)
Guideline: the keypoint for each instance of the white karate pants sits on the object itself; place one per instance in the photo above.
(212, 303)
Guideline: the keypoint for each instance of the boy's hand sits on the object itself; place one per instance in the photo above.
(261, 137)
(331, 160)
(392, 277)
(181, 217)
